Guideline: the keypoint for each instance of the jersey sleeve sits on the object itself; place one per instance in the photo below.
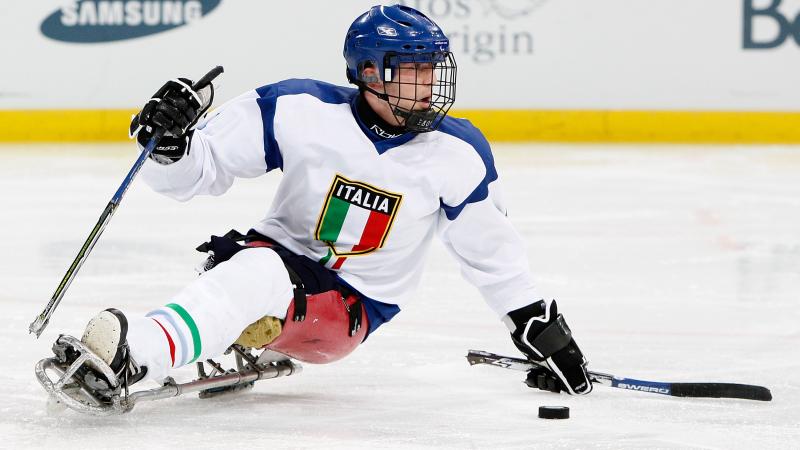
(479, 235)
(231, 142)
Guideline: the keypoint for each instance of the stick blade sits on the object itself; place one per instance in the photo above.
(722, 390)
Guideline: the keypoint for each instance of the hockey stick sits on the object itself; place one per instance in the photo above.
(41, 321)
(713, 390)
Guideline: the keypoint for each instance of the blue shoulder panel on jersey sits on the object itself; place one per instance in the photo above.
(378, 313)
(465, 131)
(326, 92)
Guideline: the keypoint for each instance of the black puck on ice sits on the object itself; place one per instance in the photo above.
(553, 412)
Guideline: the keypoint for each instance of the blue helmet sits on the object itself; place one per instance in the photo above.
(386, 36)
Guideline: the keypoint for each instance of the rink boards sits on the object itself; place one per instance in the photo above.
(619, 70)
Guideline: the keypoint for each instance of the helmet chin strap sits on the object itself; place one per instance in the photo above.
(400, 112)
(381, 95)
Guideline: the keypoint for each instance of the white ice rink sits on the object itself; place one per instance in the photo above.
(669, 263)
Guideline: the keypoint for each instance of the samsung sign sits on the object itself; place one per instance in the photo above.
(92, 21)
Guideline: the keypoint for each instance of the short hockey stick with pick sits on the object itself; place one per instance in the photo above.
(41, 321)
(712, 390)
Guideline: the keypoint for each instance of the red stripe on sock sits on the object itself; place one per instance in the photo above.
(169, 340)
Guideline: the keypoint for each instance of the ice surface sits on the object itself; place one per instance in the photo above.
(670, 263)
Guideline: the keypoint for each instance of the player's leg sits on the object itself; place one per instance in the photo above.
(202, 320)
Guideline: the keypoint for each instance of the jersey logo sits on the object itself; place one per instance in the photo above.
(384, 134)
(355, 219)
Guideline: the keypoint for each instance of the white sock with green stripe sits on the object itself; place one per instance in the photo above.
(207, 316)
(169, 338)
(147, 347)
(181, 333)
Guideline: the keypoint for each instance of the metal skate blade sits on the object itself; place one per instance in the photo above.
(59, 380)
(268, 356)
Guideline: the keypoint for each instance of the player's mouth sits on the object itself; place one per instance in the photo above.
(424, 102)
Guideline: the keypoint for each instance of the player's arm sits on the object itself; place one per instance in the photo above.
(492, 257)
(200, 155)
(475, 229)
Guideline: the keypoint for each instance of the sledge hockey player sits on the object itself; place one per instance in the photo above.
(370, 175)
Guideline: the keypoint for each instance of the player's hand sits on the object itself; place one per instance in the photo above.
(175, 108)
(544, 379)
(543, 336)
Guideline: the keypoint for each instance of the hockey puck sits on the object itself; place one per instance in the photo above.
(553, 412)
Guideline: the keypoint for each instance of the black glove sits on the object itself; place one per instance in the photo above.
(543, 336)
(544, 379)
(176, 108)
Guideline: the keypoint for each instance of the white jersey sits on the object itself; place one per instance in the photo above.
(365, 207)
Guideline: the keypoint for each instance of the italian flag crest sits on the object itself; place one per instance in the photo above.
(355, 220)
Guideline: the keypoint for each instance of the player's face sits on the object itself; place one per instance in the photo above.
(412, 86)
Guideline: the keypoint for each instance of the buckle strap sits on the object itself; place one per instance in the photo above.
(300, 301)
(354, 313)
(553, 337)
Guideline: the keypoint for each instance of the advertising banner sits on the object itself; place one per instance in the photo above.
(514, 56)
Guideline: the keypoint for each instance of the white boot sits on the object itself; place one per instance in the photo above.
(106, 336)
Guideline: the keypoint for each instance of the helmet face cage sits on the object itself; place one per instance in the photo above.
(420, 78)
(405, 47)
